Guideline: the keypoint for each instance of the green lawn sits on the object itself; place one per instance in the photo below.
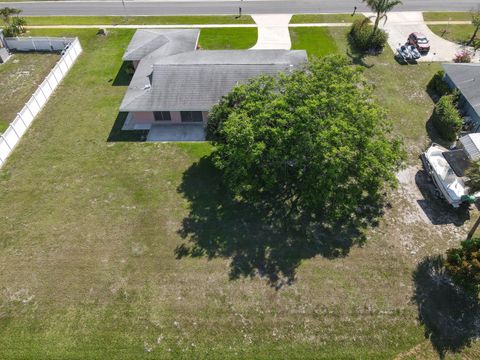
(324, 18)
(19, 78)
(227, 38)
(89, 229)
(447, 16)
(456, 33)
(137, 20)
(317, 41)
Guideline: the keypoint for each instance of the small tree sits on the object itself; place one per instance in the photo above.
(13, 26)
(446, 119)
(310, 145)
(473, 177)
(475, 14)
(463, 265)
(381, 8)
(6, 13)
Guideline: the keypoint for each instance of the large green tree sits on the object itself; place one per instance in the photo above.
(381, 8)
(463, 264)
(310, 145)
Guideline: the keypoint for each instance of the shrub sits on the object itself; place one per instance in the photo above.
(463, 56)
(364, 39)
(446, 119)
(438, 85)
(463, 265)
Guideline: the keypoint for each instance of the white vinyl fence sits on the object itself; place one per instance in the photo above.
(25, 117)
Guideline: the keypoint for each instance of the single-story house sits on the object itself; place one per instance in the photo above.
(175, 85)
(466, 78)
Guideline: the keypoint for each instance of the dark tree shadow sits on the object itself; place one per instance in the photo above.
(359, 59)
(117, 134)
(438, 211)
(450, 315)
(124, 74)
(257, 242)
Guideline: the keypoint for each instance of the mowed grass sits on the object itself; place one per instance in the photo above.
(89, 228)
(456, 33)
(227, 38)
(447, 16)
(324, 18)
(19, 78)
(316, 40)
(138, 20)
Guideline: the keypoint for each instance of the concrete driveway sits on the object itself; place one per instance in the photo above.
(273, 31)
(401, 24)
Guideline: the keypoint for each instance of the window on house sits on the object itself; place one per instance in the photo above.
(191, 116)
(162, 115)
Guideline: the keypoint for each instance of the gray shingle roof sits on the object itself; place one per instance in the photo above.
(196, 80)
(165, 41)
(466, 77)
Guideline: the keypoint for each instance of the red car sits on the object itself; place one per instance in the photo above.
(420, 41)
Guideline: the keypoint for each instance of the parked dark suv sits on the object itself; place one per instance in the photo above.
(420, 41)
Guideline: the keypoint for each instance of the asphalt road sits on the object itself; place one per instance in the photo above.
(226, 7)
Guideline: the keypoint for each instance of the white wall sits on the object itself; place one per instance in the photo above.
(10, 138)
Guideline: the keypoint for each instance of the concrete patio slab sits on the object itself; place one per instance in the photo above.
(273, 31)
(401, 24)
(176, 133)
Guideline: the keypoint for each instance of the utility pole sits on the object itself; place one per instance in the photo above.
(125, 10)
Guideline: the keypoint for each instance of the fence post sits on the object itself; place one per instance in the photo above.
(14, 130)
(23, 121)
(6, 142)
(48, 81)
(31, 112)
(36, 100)
(55, 76)
(43, 92)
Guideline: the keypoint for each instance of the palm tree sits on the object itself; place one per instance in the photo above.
(475, 14)
(6, 13)
(381, 8)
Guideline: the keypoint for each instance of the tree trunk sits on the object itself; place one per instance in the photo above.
(474, 228)
(474, 35)
(377, 21)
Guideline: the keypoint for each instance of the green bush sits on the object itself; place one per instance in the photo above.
(446, 119)
(364, 39)
(463, 265)
(438, 85)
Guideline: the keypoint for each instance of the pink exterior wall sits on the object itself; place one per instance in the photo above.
(135, 63)
(143, 117)
(205, 116)
(175, 116)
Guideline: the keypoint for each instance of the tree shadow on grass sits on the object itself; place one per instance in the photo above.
(450, 315)
(257, 243)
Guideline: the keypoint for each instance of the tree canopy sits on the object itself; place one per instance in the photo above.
(13, 26)
(310, 146)
(463, 264)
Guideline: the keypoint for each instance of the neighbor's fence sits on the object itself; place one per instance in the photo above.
(38, 43)
(25, 117)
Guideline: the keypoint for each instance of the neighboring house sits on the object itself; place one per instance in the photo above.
(175, 85)
(466, 78)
